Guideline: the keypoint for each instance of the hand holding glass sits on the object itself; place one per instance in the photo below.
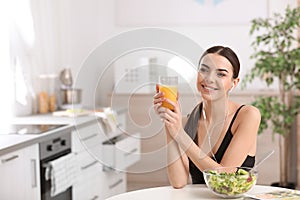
(168, 85)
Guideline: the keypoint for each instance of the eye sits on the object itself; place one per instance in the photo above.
(203, 69)
(220, 74)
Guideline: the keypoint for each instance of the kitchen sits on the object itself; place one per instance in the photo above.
(57, 35)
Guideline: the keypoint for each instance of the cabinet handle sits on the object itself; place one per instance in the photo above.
(9, 159)
(33, 173)
(130, 152)
(89, 165)
(115, 184)
(89, 137)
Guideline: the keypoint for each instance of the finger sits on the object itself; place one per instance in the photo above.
(177, 107)
(158, 95)
(162, 109)
(171, 102)
(156, 107)
(173, 117)
(157, 88)
(163, 117)
(156, 101)
(169, 124)
(170, 116)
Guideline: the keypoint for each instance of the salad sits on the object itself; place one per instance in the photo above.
(230, 184)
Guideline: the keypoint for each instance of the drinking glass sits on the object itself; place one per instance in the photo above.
(169, 86)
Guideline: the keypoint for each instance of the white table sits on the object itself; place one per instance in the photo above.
(189, 192)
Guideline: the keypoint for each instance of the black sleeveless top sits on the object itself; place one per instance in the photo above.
(191, 128)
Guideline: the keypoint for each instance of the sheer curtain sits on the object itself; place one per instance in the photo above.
(30, 45)
(16, 38)
(22, 40)
(6, 80)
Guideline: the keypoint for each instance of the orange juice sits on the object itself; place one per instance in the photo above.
(170, 92)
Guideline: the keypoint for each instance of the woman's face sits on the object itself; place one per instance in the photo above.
(215, 77)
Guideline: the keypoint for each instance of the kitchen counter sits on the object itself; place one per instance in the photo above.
(12, 142)
(50, 119)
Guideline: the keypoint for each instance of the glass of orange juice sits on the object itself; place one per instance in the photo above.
(168, 85)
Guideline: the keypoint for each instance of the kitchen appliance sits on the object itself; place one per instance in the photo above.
(51, 150)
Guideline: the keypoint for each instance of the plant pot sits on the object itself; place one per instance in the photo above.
(288, 186)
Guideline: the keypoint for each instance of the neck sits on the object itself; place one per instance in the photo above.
(216, 111)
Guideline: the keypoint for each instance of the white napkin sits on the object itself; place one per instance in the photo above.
(63, 173)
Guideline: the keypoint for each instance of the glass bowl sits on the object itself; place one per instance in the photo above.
(230, 182)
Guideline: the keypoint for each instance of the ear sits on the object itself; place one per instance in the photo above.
(235, 82)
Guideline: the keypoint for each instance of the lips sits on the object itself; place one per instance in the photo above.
(209, 88)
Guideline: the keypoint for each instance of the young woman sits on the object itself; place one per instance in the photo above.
(218, 132)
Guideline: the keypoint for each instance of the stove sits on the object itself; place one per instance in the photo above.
(33, 129)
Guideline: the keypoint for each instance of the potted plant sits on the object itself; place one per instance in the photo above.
(277, 57)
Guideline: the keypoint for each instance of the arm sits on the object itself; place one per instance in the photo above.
(178, 164)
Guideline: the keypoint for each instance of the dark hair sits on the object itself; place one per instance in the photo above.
(228, 54)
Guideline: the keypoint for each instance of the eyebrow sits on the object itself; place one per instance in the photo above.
(221, 70)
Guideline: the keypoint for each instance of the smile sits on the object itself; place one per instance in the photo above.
(209, 88)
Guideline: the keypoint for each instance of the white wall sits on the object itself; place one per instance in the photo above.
(77, 27)
(232, 35)
(235, 36)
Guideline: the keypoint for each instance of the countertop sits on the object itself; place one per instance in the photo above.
(13, 142)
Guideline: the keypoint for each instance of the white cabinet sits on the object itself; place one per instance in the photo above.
(94, 181)
(115, 183)
(84, 138)
(19, 174)
(121, 152)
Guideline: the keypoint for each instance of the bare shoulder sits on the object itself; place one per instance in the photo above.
(250, 112)
(248, 118)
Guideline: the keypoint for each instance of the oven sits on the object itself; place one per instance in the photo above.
(50, 150)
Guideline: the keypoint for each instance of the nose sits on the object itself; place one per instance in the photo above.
(209, 78)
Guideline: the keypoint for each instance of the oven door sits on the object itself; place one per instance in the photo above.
(46, 184)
